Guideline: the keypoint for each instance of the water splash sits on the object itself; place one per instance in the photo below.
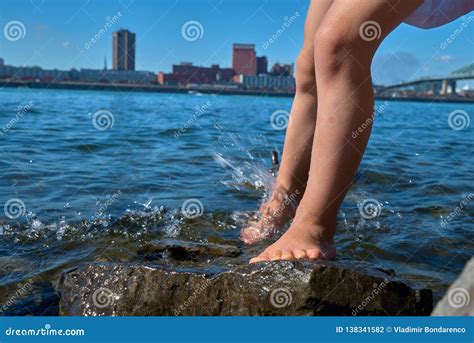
(251, 175)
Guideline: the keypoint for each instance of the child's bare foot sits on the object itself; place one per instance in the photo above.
(273, 214)
(303, 240)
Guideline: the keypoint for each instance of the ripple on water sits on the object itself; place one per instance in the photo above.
(89, 147)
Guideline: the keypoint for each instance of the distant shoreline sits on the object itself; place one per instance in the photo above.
(183, 90)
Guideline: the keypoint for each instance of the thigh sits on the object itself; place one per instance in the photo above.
(316, 12)
(365, 23)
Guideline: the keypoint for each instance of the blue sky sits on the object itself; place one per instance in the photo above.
(56, 32)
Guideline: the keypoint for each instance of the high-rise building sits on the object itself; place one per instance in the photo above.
(123, 50)
(262, 65)
(244, 61)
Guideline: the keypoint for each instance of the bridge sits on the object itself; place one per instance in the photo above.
(441, 83)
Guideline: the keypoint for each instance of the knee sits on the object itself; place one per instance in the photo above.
(338, 50)
(305, 72)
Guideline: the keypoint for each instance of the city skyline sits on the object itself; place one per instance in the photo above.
(261, 61)
(239, 50)
(124, 56)
(56, 36)
(248, 71)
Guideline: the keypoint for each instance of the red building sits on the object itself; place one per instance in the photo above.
(186, 73)
(244, 59)
(168, 79)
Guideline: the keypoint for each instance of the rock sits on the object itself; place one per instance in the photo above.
(271, 288)
(459, 299)
(182, 250)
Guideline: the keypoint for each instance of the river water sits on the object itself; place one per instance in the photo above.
(93, 176)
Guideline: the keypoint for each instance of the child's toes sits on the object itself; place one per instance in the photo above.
(264, 256)
(247, 236)
(315, 254)
(257, 259)
(275, 256)
(287, 255)
(300, 254)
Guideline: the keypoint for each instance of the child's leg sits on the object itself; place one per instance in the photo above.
(344, 48)
(293, 173)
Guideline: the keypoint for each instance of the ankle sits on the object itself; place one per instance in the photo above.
(322, 229)
(292, 192)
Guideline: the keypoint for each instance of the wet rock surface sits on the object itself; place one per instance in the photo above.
(459, 299)
(273, 288)
(185, 250)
